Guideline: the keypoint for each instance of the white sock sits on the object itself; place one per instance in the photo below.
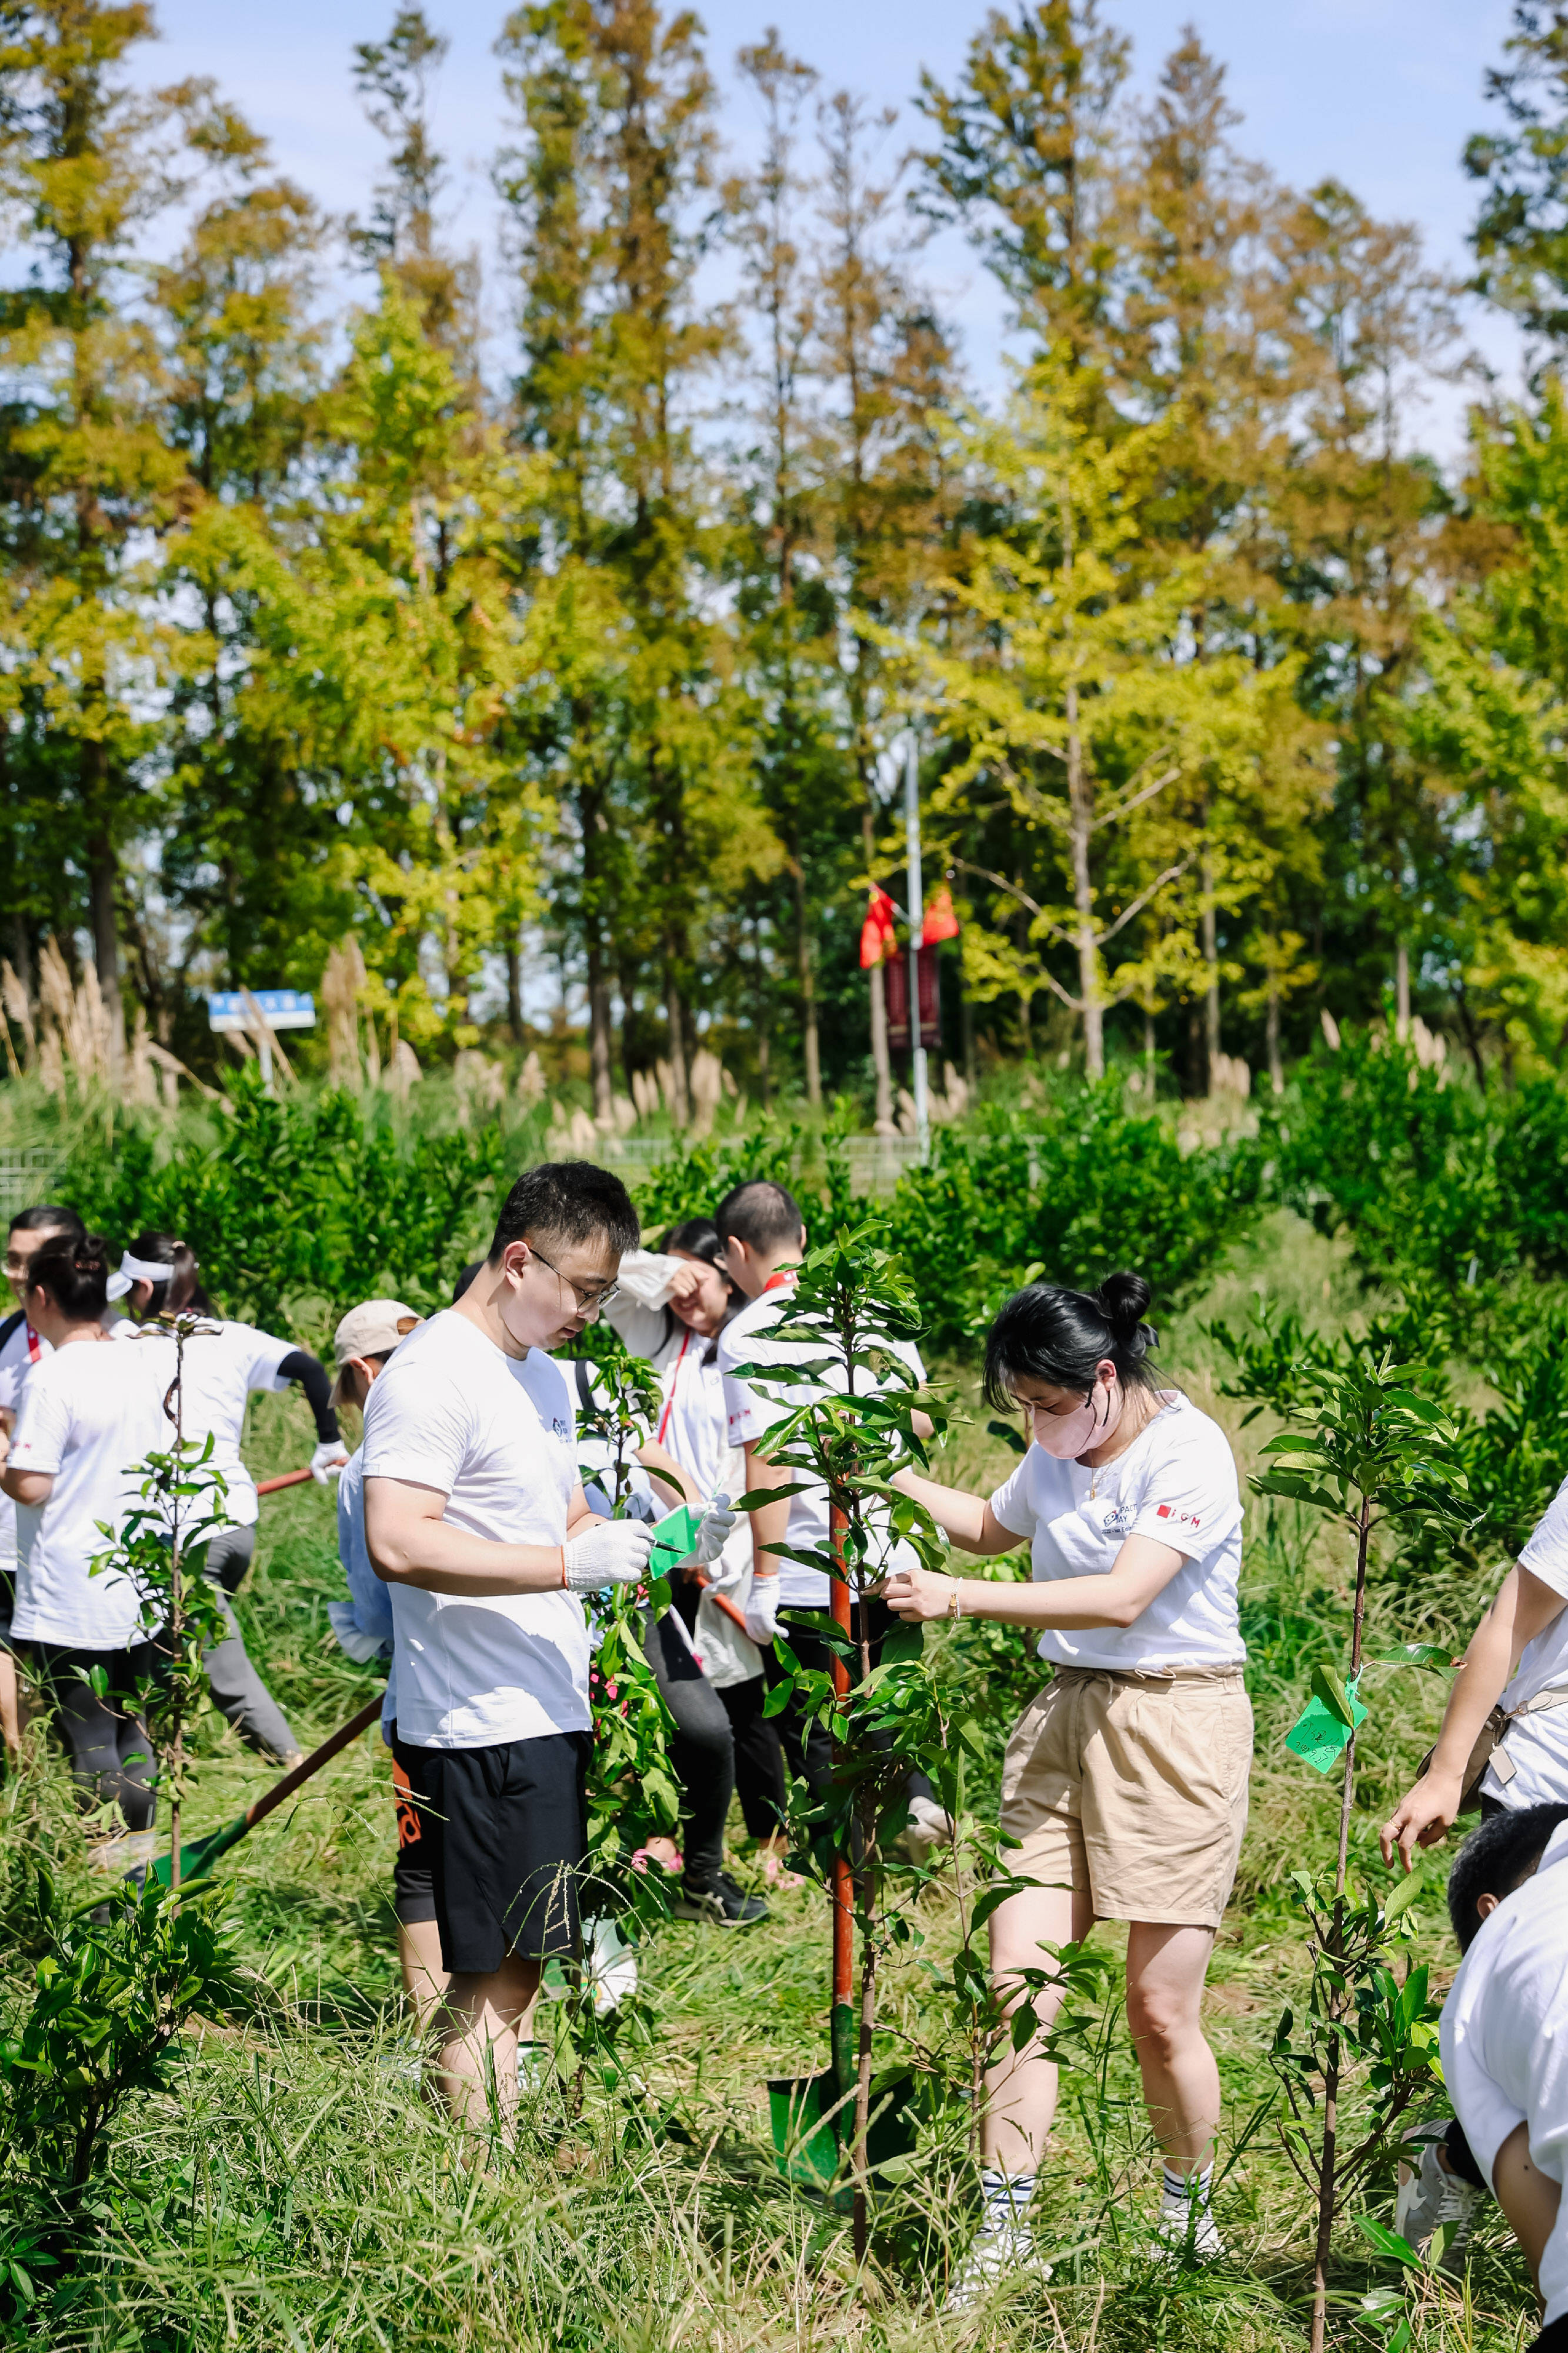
(1181, 2189)
(1007, 2195)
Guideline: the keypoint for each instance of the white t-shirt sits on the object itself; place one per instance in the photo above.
(24, 1348)
(369, 1598)
(497, 1436)
(1538, 1744)
(223, 1362)
(90, 1413)
(1176, 1482)
(1504, 2042)
(750, 1412)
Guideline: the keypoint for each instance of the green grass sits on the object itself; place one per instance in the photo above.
(293, 2188)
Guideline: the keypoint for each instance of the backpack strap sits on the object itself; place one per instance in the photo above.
(11, 1326)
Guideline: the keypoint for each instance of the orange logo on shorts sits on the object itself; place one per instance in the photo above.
(410, 1829)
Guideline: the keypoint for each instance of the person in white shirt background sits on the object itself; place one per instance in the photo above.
(91, 1411)
(21, 1347)
(674, 1305)
(362, 1344)
(475, 1515)
(157, 1278)
(763, 1238)
(1503, 2037)
(1516, 1659)
(1125, 1781)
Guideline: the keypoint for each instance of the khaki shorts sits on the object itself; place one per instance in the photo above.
(1134, 1788)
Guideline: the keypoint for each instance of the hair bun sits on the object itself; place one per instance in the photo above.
(1123, 1299)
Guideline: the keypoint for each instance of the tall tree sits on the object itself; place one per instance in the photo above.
(1520, 234)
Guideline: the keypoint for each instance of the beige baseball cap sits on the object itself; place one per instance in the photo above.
(373, 1328)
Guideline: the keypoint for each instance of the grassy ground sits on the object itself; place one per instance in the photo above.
(292, 2189)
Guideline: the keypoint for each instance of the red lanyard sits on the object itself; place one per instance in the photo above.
(786, 1275)
(35, 1353)
(674, 1385)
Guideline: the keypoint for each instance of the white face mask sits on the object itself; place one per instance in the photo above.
(1067, 1435)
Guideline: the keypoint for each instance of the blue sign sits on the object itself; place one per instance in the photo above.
(284, 1008)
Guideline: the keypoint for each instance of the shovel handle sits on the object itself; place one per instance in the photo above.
(289, 1478)
(324, 1755)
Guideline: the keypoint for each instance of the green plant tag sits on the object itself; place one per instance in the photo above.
(673, 1538)
(1320, 1734)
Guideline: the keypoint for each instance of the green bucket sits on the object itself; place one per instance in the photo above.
(812, 2132)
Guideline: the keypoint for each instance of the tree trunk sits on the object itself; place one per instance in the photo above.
(1211, 968)
(103, 875)
(881, 1061)
(1149, 1049)
(675, 1011)
(1472, 1039)
(598, 1023)
(1401, 991)
(1080, 826)
(1272, 1032)
(966, 1031)
(514, 991)
(807, 968)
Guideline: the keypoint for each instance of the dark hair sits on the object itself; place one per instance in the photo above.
(179, 1292)
(75, 1273)
(573, 1200)
(1497, 1859)
(759, 1213)
(466, 1278)
(1048, 1334)
(699, 1237)
(48, 1217)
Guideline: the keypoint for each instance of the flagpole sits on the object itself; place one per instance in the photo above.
(917, 917)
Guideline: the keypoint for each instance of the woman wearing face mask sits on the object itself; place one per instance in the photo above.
(1125, 1779)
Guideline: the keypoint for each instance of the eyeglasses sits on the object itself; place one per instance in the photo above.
(589, 1303)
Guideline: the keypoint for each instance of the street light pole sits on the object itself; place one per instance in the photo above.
(917, 919)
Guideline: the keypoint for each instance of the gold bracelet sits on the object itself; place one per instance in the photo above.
(953, 1598)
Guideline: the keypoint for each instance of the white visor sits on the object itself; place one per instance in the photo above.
(135, 1270)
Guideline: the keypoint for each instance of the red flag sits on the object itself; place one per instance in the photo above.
(940, 922)
(877, 938)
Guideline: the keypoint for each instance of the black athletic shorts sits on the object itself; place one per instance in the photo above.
(506, 1830)
(413, 1889)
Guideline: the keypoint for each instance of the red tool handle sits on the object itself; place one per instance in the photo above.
(843, 1880)
(368, 1714)
(289, 1478)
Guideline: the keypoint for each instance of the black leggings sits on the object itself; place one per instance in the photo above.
(702, 1751)
(809, 1747)
(110, 1746)
(760, 1780)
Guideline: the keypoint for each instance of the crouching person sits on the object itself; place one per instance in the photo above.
(1504, 2035)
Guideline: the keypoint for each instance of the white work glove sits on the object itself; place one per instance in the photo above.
(615, 1551)
(359, 1647)
(762, 1609)
(330, 1457)
(714, 1533)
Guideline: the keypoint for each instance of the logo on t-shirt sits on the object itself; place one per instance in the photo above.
(1181, 1519)
(558, 1429)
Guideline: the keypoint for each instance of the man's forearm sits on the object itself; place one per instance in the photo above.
(435, 1557)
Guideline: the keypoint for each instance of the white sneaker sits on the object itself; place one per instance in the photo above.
(929, 1827)
(1003, 2243)
(609, 1964)
(1180, 2234)
(1431, 2197)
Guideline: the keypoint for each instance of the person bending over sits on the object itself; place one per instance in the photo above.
(158, 1279)
(90, 1413)
(1504, 2035)
(22, 1347)
(1125, 1781)
(763, 1237)
(476, 1518)
(1515, 1661)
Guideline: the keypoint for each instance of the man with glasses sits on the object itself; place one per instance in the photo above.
(20, 1349)
(474, 1517)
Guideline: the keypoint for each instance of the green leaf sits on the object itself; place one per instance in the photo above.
(1407, 1892)
(1389, 2243)
(1328, 1687)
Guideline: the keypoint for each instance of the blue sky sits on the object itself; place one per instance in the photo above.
(1380, 93)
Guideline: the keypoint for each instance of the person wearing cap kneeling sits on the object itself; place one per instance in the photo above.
(363, 1341)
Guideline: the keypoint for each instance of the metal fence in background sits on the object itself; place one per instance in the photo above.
(26, 1176)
